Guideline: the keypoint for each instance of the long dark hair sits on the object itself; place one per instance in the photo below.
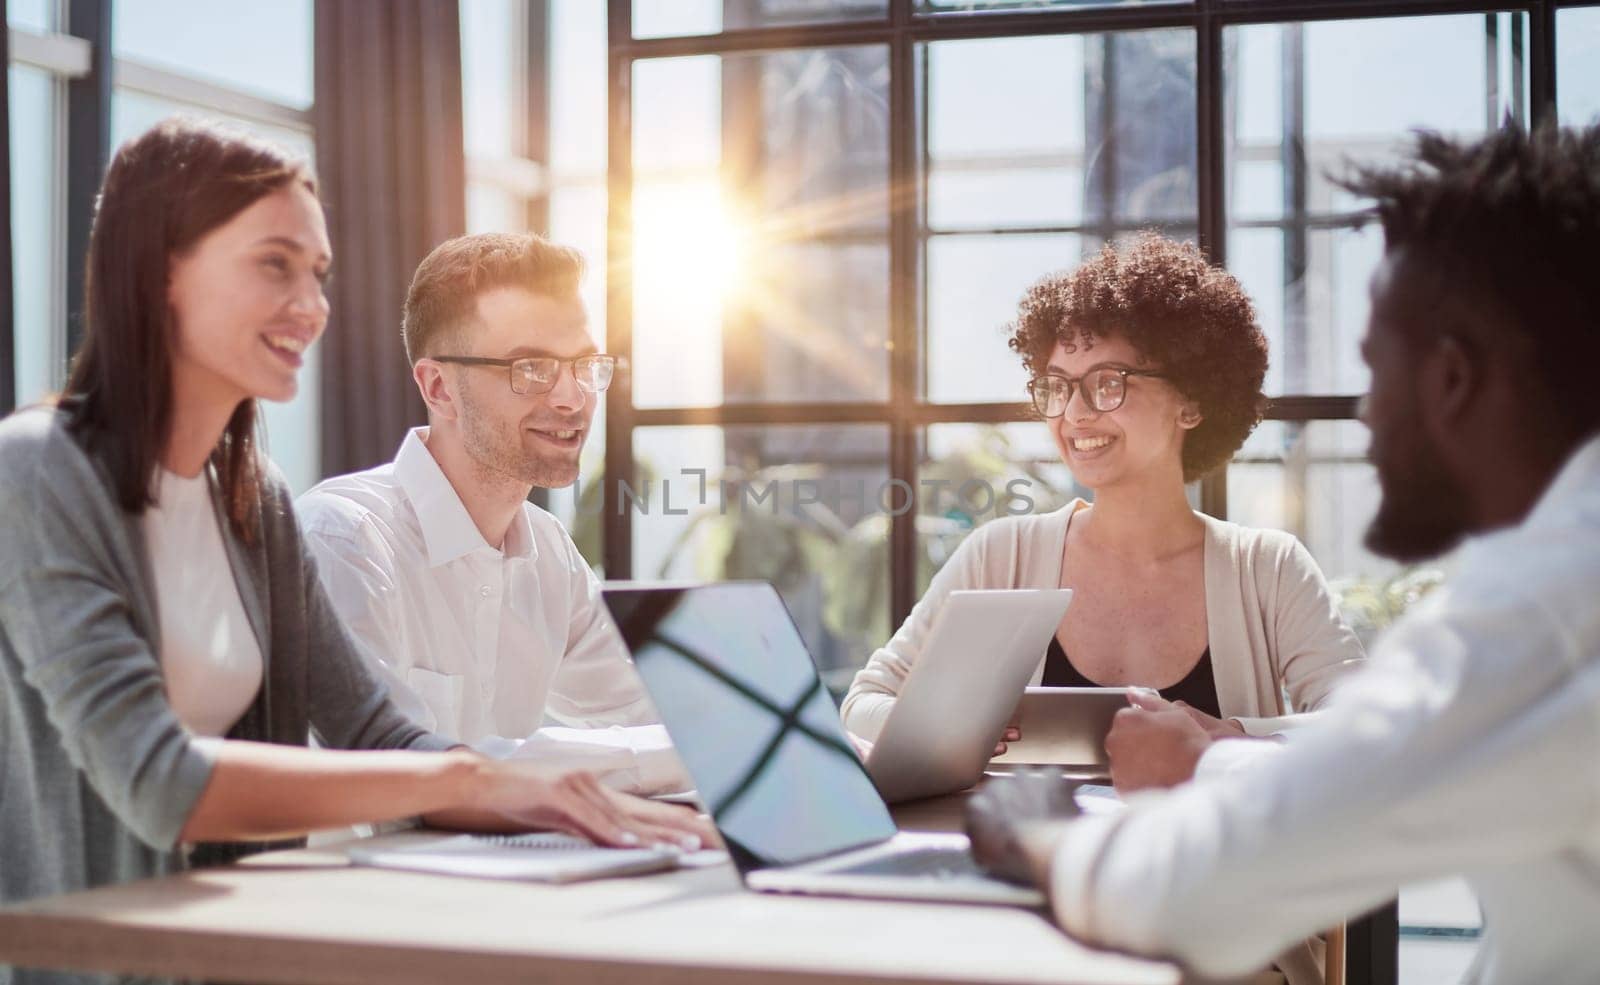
(164, 191)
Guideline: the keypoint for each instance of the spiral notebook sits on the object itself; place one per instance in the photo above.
(542, 857)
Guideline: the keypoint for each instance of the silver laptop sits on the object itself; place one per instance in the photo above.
(761, 738)
(981, 651)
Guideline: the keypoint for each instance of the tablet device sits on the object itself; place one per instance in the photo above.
(1066, 726)
(981, 652)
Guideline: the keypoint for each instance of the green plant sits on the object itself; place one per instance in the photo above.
(1370, 605)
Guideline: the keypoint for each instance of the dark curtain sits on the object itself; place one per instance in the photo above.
(393, 177)
(8, 348)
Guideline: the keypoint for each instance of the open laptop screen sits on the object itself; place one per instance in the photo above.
(759, 734)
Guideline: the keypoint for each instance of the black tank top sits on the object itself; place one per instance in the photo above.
(1198, 688)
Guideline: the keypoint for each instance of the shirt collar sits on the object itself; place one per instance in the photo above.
(448, 532)
(1580, 475)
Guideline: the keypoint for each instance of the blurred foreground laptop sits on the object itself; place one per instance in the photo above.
(759, 734)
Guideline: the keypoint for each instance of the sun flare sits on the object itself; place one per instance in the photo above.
(687, 243)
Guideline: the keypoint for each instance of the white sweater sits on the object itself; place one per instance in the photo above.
(1272, 625)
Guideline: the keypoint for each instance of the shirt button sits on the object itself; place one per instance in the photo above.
(484, 591)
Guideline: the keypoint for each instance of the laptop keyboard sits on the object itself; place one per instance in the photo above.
(928, 863)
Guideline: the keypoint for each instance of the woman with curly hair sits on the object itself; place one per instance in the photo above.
(1146, 366)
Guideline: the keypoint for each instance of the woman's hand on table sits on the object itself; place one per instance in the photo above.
(530, 796)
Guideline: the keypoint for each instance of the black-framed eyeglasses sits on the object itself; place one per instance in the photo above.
(1105, 387)
(538, 374)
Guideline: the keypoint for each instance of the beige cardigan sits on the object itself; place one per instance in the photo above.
(1272, 625)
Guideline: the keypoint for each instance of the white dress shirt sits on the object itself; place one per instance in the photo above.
(1469, 746)
(486, 645)
(210, 658)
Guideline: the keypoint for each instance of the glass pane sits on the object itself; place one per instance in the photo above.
(264, 48)
(801, 506)
(32, 15)
(37, 254)
(132, 113)
(578, 218)
(1313, 480)
(965, 6)
(1062, 143)
(491, 33)
(1578, 65)
(1092, 130)
(972, 473)
(974, 284)
(493, 209)
(675, 18)
(578, 90)
(1303, 102)
(1313, 329)
(759, 256)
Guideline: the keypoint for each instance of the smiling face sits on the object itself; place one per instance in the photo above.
(247, 300)
(534, 437)
(1140, 440)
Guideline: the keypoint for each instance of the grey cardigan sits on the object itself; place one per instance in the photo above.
(99, 776)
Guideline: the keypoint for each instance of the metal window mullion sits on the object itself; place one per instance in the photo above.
(58, 54)
(533, 139)
(8, 347)
(905, 348)
(1211, 182)
(150, 80)
(1000, 24)
(615, 523)
(1542, 62)
(88, 141)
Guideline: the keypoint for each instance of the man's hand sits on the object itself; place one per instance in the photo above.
(1217, 728)
(1016, 821)
(1157, 743)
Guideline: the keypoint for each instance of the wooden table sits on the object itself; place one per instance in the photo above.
(307, 917)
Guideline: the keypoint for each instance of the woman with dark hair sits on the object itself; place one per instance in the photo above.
(166, 651)
(1147, 366)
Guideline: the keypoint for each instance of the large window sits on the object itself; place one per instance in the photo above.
(824, 215)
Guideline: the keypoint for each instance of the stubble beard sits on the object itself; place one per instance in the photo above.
(1423, 512)
(500, 452)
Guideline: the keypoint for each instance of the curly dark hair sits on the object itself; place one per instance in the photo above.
(1190, 319)
(1507, 231)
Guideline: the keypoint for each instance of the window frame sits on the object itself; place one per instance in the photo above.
(904, 31)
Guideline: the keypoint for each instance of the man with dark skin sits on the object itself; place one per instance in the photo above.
(1467, 747)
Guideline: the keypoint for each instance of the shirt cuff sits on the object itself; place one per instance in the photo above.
(1278, 724)
(1072, 872)
(1259, 727)
(1232, 756)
